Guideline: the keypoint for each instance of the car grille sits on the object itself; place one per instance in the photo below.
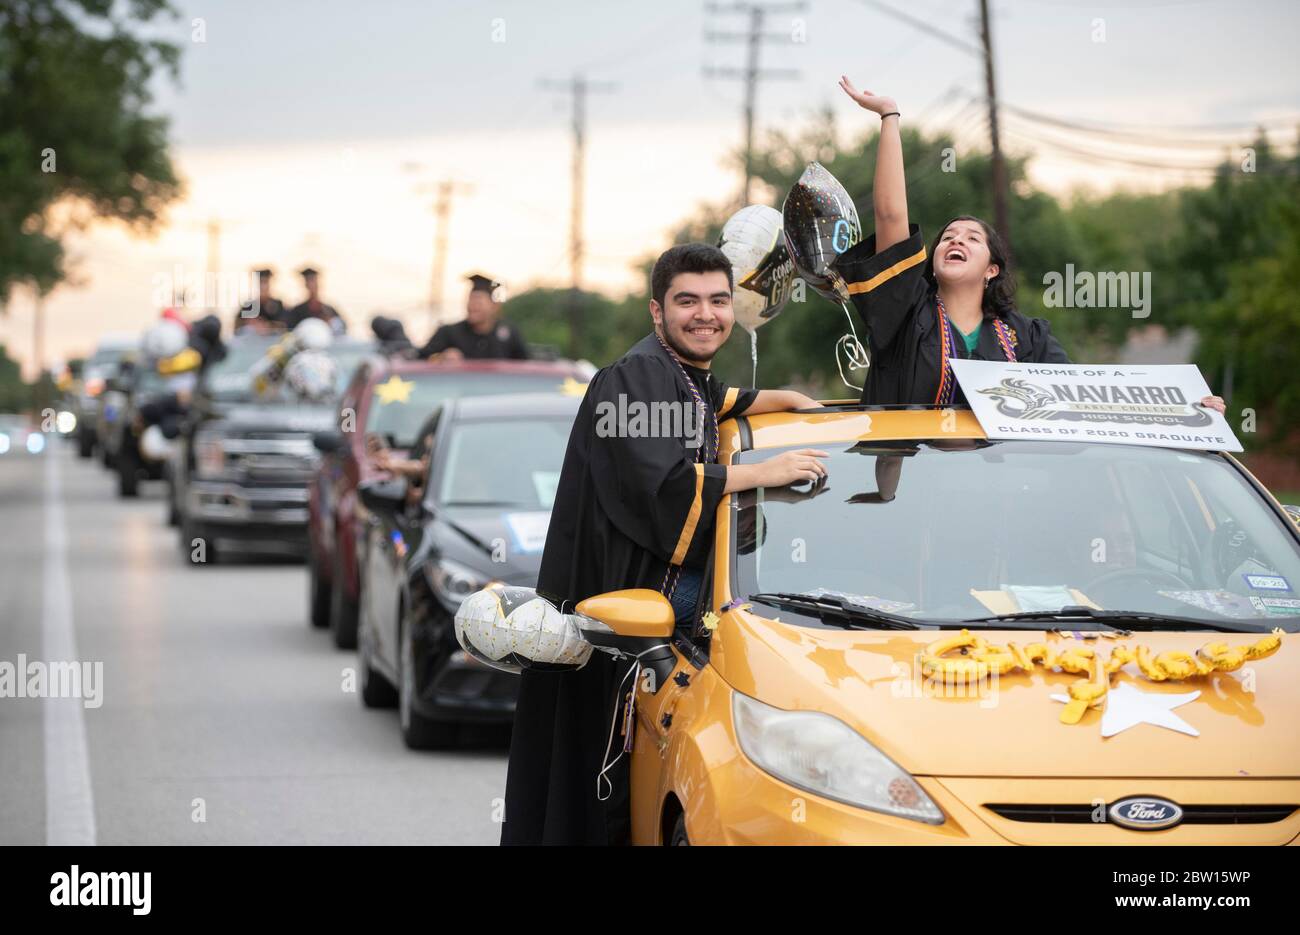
(1192, 814)
(271, 459)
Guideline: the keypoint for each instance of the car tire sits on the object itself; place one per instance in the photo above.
(128, 476)
(343, 612)
(418, 731)
(318, 594)
(678, 837)
(376, 691)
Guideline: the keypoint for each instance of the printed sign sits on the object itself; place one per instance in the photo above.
(1139, 405)
(529, 529)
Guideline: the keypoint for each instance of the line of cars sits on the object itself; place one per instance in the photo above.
(392, 556)
(256, 470)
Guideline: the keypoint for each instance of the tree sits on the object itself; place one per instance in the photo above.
(74, 129)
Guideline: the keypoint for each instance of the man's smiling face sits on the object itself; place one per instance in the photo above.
(696, 317)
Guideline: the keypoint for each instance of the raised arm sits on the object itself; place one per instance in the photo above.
(889, 189)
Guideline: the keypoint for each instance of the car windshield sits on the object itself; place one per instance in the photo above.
(229, 379)
(511, 463)
(401, 402)
(961, 530)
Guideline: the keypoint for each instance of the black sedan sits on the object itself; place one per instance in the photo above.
(476, 514)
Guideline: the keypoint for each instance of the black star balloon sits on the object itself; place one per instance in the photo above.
(820, 222)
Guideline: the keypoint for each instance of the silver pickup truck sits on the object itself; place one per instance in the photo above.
(239, 475)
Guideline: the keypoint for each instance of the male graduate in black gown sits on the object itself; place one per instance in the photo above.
(634, 509)
(483, 335)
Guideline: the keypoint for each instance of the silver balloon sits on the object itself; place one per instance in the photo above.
(760, 264)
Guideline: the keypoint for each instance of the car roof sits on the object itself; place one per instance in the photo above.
(848, 421)
(509, 405)
(560, 368)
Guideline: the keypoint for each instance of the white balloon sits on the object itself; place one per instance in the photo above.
(533, 630)
(752, 240)
(154, 445)
(165, 339)
(313, 334)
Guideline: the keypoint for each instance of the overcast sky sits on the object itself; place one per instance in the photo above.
(293, 121)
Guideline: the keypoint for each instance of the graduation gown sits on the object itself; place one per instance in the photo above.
(626, 508)
(326, 313)
(503, 342)
(890, 292)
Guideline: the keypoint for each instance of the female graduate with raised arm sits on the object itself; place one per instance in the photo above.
(923, 308)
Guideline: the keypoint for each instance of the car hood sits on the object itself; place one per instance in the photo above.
(241, 418)
(475, 535)
(1011, 727)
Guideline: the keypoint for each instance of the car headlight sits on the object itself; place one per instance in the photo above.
(823, 755)
(453, 582)
(209, 456)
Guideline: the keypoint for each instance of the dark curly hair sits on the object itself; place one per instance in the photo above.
(1000, 296)
(686, 258)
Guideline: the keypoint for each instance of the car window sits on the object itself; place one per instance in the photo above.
(401, 402)
(512, 463)
(951, 531)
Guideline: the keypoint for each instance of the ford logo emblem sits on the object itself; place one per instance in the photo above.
(1145, 813)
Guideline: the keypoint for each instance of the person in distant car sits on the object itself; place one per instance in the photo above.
(313, 307)
(263, 316)
(483, 335)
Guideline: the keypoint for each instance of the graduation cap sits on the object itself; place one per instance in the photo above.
(481, 283)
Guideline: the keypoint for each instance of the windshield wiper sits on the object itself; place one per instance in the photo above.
(1126, 620)
(835, 606)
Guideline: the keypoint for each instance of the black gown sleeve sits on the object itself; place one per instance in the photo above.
(730, 401)
(440, 341)
(648, 483)
(517, 349)
(887, 288)
(1044, 348)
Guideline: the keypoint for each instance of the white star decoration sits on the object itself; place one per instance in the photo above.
(1127, 707)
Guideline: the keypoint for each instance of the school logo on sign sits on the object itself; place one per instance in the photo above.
(1133, 404)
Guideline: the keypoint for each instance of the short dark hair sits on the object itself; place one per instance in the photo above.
(687, 258)
(1000, 295)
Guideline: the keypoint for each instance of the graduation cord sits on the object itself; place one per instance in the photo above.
(853, 350)
(702, 454)
(605, 788)
(947, 341)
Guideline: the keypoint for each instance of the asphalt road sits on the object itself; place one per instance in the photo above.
(222, 717)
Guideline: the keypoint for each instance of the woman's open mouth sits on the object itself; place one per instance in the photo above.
(955, 255)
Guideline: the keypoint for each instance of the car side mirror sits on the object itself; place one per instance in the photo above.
(383, 495)
(637, 613)
(327, 442)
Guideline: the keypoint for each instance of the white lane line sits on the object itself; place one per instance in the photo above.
(69, 801)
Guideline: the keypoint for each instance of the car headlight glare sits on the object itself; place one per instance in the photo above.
(453, 582)
(823, 755)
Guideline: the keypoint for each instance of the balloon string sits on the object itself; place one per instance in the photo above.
(853, 350)
(753, 356)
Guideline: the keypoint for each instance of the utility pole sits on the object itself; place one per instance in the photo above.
(444, 191)
(1001, 193)
(38, 331)
(578, 88)
(751, 74)
(442, 215)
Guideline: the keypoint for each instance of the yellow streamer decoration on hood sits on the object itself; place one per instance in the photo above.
(980, 659)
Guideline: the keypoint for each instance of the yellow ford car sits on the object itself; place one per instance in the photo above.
(958, 641)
